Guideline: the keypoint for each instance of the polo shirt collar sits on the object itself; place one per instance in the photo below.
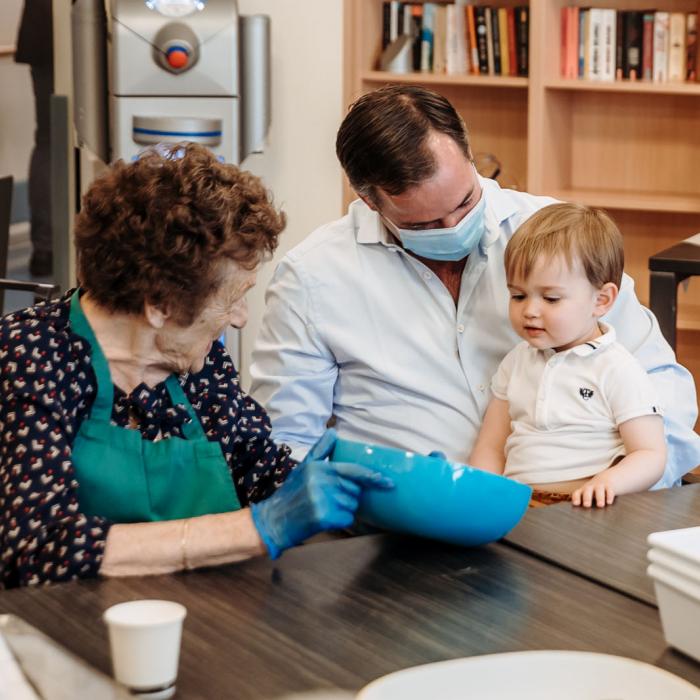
(586, 349)
(370, 229)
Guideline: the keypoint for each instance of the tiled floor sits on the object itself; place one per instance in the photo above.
(18, 267)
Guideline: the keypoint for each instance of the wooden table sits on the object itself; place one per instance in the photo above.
(608, 545)
(338, 614)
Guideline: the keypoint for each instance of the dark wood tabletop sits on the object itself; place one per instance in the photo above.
(339, 614)
(609, 544)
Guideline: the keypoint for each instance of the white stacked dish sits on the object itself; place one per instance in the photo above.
(674, 566)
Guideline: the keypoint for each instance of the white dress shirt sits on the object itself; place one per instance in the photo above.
(357, 328)
(566, 407)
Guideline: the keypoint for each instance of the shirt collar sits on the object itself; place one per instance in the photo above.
(370, 229)
(586, 349)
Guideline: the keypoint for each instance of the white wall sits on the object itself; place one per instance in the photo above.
(299, 164)
(16, 100)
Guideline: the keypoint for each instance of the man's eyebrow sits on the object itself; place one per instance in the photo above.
(461, 204)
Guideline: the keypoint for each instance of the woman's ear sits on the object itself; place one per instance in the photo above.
(156, 316)
(605, 298)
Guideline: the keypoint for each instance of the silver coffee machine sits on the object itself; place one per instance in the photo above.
(154, 71)
(150, 71)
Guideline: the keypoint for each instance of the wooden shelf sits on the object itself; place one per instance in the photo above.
(635, 201)
(632, 148)
(639, 87)
(376, 76)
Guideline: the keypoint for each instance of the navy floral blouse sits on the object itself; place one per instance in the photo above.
(47, 387)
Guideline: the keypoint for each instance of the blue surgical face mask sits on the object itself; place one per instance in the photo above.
(453, 243)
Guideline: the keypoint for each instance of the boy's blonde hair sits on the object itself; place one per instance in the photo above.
(575, 231)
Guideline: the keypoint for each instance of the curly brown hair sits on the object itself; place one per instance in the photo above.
(156, 230)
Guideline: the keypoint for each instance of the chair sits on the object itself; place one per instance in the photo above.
(667, 270)
(40, 290)
(5, 209)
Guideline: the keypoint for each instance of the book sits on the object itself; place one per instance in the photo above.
(632, 54)
(691, 45)
(473, 45)
(648, 46)
(440, 40)
(619, 44)
(607, 72)
(594, 66)
(456, 61)
(394, 7)
(417, 31)
(676, 50)
(481, 43)
(661, 30)
(564, 42)
(386, 24)
(583, 57)
(572, 52)
(427, 35)
(496, 41)
(503, 36)
(489, 42)
(522, 39)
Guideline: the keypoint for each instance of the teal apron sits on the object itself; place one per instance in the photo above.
(127, 479)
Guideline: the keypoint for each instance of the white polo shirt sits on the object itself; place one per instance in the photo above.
(565, 407)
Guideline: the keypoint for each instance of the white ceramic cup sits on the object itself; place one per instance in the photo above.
(144, 636)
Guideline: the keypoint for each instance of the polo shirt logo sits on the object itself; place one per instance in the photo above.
(585, 393)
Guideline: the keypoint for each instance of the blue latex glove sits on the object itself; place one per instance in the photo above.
(318, 495)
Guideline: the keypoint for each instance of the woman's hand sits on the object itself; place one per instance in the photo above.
(318, 495)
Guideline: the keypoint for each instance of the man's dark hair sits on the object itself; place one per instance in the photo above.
(382, 142)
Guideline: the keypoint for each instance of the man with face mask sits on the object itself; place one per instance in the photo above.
(394, 318)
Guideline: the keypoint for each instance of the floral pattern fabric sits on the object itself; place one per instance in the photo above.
(47, 387)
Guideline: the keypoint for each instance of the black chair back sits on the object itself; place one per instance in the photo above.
(5, 212)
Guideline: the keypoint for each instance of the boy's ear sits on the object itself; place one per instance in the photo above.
(605, 298)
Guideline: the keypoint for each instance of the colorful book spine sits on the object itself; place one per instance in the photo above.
(489, 43)
(427, 38)
(522, 39)
(503, 35)
(691, 45)
(473, 45)
(481, 43)
(676, 50)
(632, 55)
(648, 46)
(512, 44)
(608, 49)
(496, 41)
(661, 32)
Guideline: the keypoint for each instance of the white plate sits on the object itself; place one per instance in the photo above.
(683, 543)
(678, 565)
(532, 675)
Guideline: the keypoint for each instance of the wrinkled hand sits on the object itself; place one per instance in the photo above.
(318, 495)
(599, 490)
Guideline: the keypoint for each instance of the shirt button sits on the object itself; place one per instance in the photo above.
(426, 275)
(482, 388)
(460, 328)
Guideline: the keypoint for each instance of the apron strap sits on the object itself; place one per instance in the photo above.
(192, 429)
(102, 407)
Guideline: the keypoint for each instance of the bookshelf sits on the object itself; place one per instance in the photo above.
(632, 148)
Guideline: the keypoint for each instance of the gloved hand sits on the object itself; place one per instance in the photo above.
(318, 495)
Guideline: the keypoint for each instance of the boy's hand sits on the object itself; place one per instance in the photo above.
(599, 489)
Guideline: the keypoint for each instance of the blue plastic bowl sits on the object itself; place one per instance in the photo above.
(435, 498)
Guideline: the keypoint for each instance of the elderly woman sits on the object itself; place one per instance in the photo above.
(126, 444)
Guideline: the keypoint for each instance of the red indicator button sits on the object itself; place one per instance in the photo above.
(177, 57)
